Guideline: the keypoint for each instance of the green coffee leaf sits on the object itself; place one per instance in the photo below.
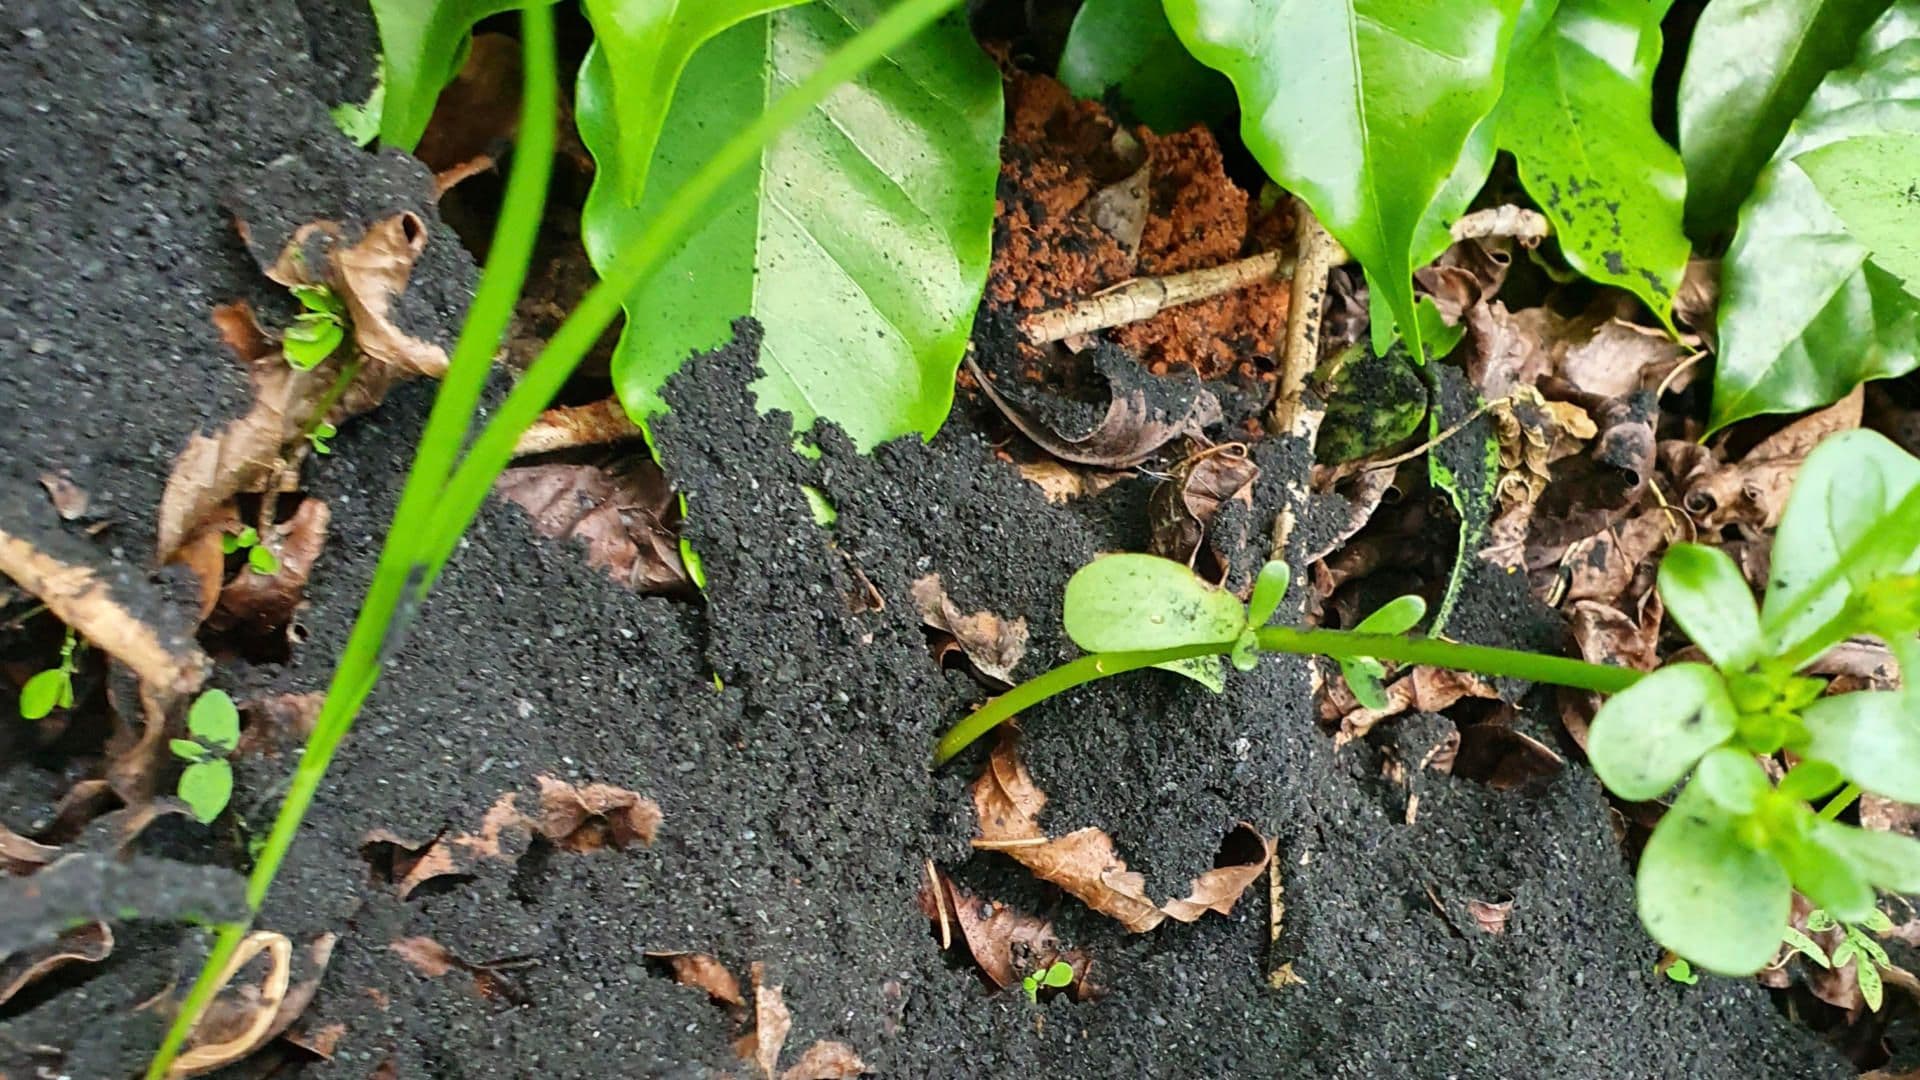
(1869, 180)
(1577, 115)
(1825, 875)
(1872, 736)
(1732, 779)
(1365, 114)
(206, 786)
(1805, 946)
(1810, 581)
(49, 690)
(187, 749)
(1645, 738)
(1887, 860)
(1805, 313)
(1126, 48)
(1269, 588)
(1708, 596)
(1135, 603)
(422, 45)
(1750, 68)
(860, 240)
(214, 720)
(1705, 894)
(647, 44)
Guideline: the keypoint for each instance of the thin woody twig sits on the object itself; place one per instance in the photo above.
(1143, 298)
(1292, 413)
(569, 426)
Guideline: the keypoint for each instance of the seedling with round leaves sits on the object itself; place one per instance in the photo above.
(1716, 879)
(53, 688)
(206, 784)
(260, 557)
(1055, 976)
(318, 330)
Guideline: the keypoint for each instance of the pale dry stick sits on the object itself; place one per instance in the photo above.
(1529, 227)
(1292, 414)
(1143, 298)
(568, 426)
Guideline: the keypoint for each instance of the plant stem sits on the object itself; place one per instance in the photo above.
(1839, 803)
(359, 665)
(1339, 644)
(1059, 681)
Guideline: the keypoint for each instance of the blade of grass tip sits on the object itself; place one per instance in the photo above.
(493, 449)
(447, 424)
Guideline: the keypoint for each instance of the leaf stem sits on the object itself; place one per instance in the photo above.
(1839, 803)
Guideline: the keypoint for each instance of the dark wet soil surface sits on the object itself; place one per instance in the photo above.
(799, 811)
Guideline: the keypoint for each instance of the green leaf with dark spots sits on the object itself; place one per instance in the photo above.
(1373, 402)
(1750, 68)
(1577, 115)
(859, 240)
(1873, 183)
(1126, 49)
(1805, 313)
(1467, 467)
(1363, 108)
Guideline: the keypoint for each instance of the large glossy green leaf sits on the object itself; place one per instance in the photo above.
(1708, 896)
(1577, 115)
(1871, 182)
(1861, 473)
(421, 44)
(860, 243)
(1126, 48)
(1360, 107)
(647, 44)
(1805, 315)
(1646, 737)
(1750, 69)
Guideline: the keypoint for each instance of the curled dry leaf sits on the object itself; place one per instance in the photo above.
(1490, 916)
(265, 602)
(86, 944)
(771, 1022)
(1421, 689)
(20, 856)
(1465, 275)
(1183, 506)
(1007, 943)
(245, 1010)
(69, 501)
(1502, 758)
(432, 960)
(1084, 862)
(1754, 491)
(1145, 413)
(568, 427)
(588, 817)
(406, 864)
(279, 723)
(626, 513)
(992, 644)
(702, 972)
(1060, 483)
(826, 1060)
(1597, 352)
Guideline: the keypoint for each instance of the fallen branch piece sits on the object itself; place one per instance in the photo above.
(565, 427)
(1143, 298)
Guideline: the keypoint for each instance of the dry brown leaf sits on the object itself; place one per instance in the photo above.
(265, 602)
(88, 944)
(588, 817)
(19, 855)
(994, 645)
(826, 1060)
(1136, 423)
(279, 722)
(703, 972)
(368, 276)
(1466, 274)
(1489, 916)
(626, 514)
(1607, 635)
(69, 501)
(503, 835)
(241, 1018)
(1007, 943)
(1060, 483)
(1182, 507)
(771, 1022)
(424, 955)
(1084, 862)
(1494, 754)
(478, 109)
(1121, 207)
(166, 659)
(1753, 492)
(1597, 352)
(321, 1042)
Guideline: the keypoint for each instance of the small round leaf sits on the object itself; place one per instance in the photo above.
(206, 787)
(214, 720)
(1733, 779)
(263, 561)
(1060, 974)
(1396, 616)
(1872, 737)
(1268, 590)
(1646, 737)
(45, 692)
(1363, 676)
(1135, 603)
(1708, 596)
(1706, 895)
(1888, 860)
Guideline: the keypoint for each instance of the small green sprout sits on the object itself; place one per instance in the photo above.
(319, 435)
(1682, 972)
(207, 782)
(317, 331)
(52, 688)
(1866, 955)
(1058, 975)
(259, 556)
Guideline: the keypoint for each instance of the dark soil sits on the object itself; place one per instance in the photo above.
(799, 809)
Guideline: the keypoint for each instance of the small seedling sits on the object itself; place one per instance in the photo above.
(207, 782)
(318, 330)
(259, 556)
(1058, 975)
(1682, 972)
(318, 437)
(1717, 877)
(1858, 948)
(53, 688)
